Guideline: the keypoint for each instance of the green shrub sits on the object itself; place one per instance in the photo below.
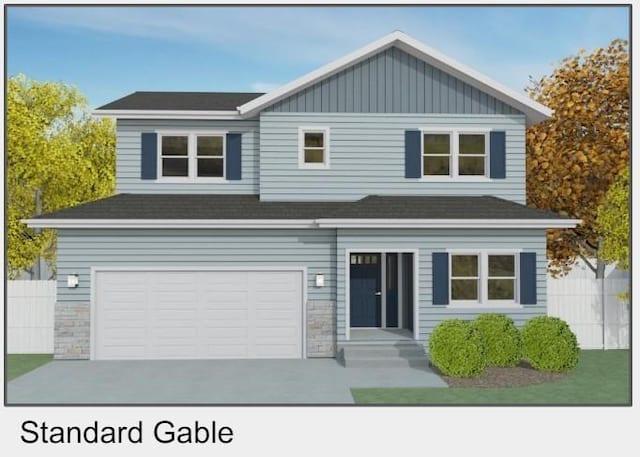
(501, 339)
(456, 349)
(548, 344)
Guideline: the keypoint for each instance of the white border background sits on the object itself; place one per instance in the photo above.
(311, 431)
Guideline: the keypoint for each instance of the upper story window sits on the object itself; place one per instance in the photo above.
(483, 277)
(436, 154)
(454, 153)
(210, 156)
(313, 147)
(175, 155)
(191, 156)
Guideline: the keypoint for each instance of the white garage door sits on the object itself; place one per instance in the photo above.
(197, 314)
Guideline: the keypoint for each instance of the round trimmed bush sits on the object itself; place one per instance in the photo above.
(457, 349)
(548, 344)
(501, 339)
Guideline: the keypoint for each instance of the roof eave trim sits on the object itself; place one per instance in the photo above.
(166, 114)
(448, 223)
(301, 223)
(170, 223)
(535, 111)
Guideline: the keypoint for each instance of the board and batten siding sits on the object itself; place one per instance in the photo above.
(392, 81)
(427, 241)
(78, 250)
(128, 159)
(367, 157)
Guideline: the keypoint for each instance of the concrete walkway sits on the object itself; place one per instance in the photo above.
(315, 381)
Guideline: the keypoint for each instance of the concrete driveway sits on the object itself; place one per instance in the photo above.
(315, 381)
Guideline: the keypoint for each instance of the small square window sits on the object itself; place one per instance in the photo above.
(314, 150)
(314, 140)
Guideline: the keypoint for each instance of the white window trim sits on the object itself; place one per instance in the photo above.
(192, 156)
(454, 153)
(326, 156)
(483, 274)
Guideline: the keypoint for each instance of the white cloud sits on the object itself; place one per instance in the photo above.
(263, 86)
(295, 40)
(309, 35)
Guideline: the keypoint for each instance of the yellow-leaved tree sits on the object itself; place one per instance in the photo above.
(613, 222)
(57, 156)
(575, 156)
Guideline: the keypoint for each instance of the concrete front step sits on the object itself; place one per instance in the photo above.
(383, 351)
(387, 362)
(407, 353)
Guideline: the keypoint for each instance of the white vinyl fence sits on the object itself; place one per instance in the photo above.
(577, 299)
(30, 306)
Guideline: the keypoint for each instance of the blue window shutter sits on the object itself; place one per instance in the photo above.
(528, 278)
(497, 155)
(440, 278)
(412, 155)
(234, 156)
(149, 156)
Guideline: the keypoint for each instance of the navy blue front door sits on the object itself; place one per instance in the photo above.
(365, 296)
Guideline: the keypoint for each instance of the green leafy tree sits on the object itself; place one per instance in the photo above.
(613, 222)
(57, 156)
(575, 156)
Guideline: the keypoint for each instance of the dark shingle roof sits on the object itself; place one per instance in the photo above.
(190, 206)
(183, 101)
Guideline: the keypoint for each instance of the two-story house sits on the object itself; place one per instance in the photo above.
(363, 202)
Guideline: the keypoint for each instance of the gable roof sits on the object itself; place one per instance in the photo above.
(187, 101)
(534, 111)
(201, 210)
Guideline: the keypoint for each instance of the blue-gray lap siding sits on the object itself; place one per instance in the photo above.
(367, 156)
(392, 81)
(321, 251)
(427, 241)
(128, 159)
(79, 250)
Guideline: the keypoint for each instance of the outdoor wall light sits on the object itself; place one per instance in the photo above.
(72, 281)
(319, 280)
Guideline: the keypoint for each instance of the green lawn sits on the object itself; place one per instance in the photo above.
(19, 364)
(601, 377)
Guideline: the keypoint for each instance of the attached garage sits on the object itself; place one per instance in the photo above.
(197, 313)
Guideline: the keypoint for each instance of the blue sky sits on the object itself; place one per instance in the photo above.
(109, 52)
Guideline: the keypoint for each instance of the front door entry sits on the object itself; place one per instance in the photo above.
(365, 292)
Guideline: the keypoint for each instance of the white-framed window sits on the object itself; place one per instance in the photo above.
(501, 277)
(455, 153)
(465, 277)
(436, 153)
(483, 278)
(196, 156)
(174, 156)
(313, 147)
